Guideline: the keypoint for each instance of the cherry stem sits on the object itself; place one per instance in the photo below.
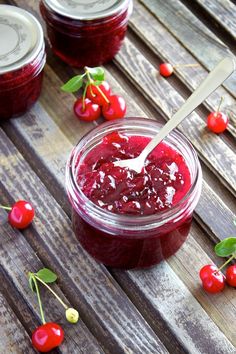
(39, 299)
(91, 82)
(4, 207)
(53, 292)
(221, 100)
(229, 260)
(185, 65)
(83, 97)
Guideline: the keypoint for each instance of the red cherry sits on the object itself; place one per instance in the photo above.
(166, 69)
(21, 214)
(231, 275)
(90, 112)
(217, 122)
(48, 336)
(95, 96)
(115, 109)
(213, 281)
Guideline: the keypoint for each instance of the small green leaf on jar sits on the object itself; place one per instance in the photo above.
(46, 275)
(74, 84)
(226, 247)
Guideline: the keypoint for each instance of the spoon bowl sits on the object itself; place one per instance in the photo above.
(214, 79)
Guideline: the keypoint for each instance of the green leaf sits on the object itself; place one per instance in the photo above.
(97, 73)
(226, 247)
(97, 83)
(46, 275)
(31, 282)
(74, 84)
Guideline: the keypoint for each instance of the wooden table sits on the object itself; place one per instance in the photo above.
(160, 310)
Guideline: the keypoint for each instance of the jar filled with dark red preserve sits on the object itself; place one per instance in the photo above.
(22, 58)
(86, 33)
(127, 219)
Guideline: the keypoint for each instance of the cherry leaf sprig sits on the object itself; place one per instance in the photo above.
(226, 248)
(213, 280)
(91, 75)
(45, 276)
(97, 99)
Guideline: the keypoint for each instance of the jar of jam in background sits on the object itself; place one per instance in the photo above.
(22, 58)
(124, 240)
(86, 33)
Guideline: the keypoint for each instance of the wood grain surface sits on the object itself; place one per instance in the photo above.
(223, 12)
(159, 310)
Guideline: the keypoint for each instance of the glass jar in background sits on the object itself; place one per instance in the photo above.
(22, 58)
(131, 241)
(86, 33)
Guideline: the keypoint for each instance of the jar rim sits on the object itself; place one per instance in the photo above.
(25, 34)
(74, 10)
(74, 191)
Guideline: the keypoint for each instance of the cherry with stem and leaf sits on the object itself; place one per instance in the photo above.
(96, 98)
(213, 280)
(167, 69)
(50, 334)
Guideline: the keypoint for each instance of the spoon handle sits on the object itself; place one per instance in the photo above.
(214, 79)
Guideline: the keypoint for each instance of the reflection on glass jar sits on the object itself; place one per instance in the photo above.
(129, 220)
(86, 34)
(22, 58)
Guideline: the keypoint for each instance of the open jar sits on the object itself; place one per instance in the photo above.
(22, 58)
(125, 239)
(86, 33)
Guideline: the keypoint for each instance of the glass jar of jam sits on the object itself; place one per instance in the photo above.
(86, 33)
(22, 58)
(125, 219)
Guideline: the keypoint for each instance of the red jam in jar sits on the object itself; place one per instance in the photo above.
(22, 58)
(86, 34)
(126, 219)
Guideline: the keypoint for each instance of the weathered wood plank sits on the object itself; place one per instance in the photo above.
(188, 273)
(192, 33)
(20, 130)
(13, 337)
(17, 258)
(223, 12)
(210, 206)
(152, 33)
(178, 269)
(87, 284)
(165, 294)
(213, 150)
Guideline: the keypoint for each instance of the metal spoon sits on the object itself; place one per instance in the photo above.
(214, 79)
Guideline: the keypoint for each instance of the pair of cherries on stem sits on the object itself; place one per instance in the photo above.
(213, 280)
(97, 98)
(21, 214)
(50, 334)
